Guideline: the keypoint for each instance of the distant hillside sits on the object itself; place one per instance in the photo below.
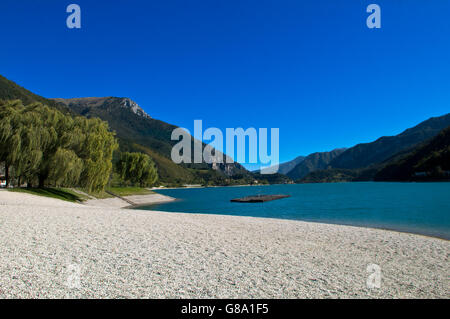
(276, 178)
(127, 119)
(332, 175)
(363, 161)
(314, 162)
(428, 161)
(286, 167)
(137, 131)
(11, 91)
(363, 155)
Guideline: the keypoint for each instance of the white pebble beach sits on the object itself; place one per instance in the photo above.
(124, 253)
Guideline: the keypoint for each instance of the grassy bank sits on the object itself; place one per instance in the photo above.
(58, 193)
(129, 191)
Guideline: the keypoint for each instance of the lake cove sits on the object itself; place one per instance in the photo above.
(420, 208)
(192, 309)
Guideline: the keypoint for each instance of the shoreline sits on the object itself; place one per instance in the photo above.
(136, 200)
(154, 199)
(303, 183)
(292, 219)
(215, 186)
(149, 254)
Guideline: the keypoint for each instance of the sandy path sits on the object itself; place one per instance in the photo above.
(46, 243)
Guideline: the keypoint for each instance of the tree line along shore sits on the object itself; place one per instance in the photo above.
(42, 147)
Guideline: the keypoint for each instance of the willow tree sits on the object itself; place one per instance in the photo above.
(66, 168)
(95, 145)
(10, 143)
(27, 153)
(44, 144)
(137, 169)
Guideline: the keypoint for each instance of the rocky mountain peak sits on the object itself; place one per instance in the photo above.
(133, 107)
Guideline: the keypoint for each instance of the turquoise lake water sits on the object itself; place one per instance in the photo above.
(422, 208)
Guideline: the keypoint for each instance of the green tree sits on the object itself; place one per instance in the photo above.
(66, 168)
(9, 142)
(137, 169)
(95, 145)
(44, 144)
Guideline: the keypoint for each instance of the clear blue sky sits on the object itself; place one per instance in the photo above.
(311, 68)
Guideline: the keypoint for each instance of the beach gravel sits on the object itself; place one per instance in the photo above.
(55, 249)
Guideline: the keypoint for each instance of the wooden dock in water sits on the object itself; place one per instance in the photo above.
(258, 198)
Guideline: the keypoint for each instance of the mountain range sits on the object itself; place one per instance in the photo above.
(428, 161)
(313, 162)
(136, 131)
(286, 167)
(364, 161)
(11, 91)
(363, 155)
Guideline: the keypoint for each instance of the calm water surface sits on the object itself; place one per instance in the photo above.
(422, 208)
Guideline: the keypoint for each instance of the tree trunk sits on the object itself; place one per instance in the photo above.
(41, 181)
(7, 174)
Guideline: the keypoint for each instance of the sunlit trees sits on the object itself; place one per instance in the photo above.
(95, 146)
(47, 146)
(9, 142)
(137, 169)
